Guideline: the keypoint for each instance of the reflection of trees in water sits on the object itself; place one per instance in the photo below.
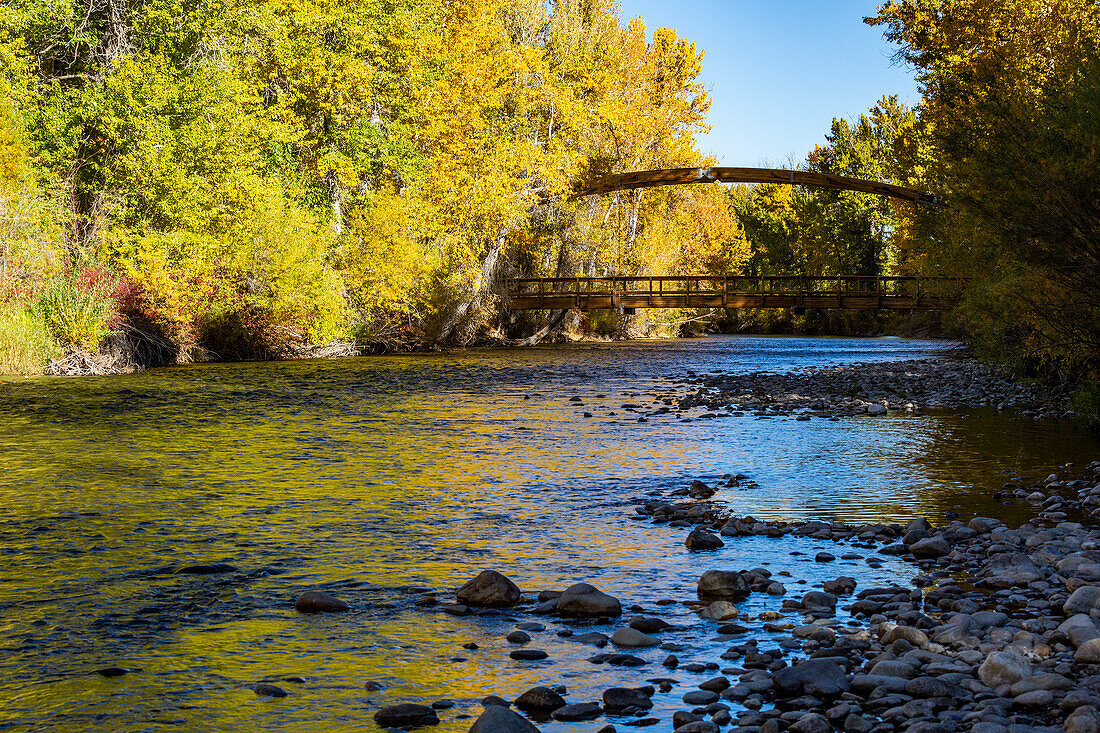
(968, 459)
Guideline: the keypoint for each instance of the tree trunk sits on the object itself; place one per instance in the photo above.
(486, 283)
(336, 196)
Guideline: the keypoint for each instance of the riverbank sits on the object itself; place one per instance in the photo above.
(995, 632)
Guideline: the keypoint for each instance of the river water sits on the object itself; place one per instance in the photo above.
(378, 479)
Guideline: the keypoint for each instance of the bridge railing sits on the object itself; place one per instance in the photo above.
(791, 285)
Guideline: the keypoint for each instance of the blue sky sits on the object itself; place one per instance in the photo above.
(779, 71)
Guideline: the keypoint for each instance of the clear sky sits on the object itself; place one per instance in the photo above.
(779, 71)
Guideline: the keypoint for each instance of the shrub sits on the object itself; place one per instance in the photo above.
(25, 344)
(77, 311)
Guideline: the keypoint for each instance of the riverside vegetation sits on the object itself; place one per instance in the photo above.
(245, 180)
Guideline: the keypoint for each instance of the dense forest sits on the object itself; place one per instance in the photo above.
(191, 179)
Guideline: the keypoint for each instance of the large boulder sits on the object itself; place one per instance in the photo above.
(1080, 628)
(1088, 653)
(314, 601)
(582, 599)
(1004, 668)
(499, 719)
(722, 585)
(1084, 719)
(489, 588)
(405, 714)
(812, 677)
(1085, 599)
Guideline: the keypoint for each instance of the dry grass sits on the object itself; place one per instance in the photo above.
(26, 347)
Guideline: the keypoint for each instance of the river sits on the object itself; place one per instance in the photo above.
(380, 478)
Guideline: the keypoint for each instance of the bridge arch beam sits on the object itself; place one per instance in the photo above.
(723, 174)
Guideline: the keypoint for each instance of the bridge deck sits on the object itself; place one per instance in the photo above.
(693, 291)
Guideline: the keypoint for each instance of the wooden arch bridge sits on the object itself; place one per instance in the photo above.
(703, 291)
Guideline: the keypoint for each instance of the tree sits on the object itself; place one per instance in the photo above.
(1010, 102)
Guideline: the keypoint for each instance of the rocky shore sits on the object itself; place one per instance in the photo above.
(875, 388)
(998, 631)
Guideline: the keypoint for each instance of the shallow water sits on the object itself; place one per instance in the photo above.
(379, 478)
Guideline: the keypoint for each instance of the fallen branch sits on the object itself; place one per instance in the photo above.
(81, 363)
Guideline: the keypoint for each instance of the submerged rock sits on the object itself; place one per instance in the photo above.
(314, 601)
(593, 637)
(112, 671)
(211, 569)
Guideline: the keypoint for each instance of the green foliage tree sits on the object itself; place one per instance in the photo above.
(796, 231)
(1010, 104)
